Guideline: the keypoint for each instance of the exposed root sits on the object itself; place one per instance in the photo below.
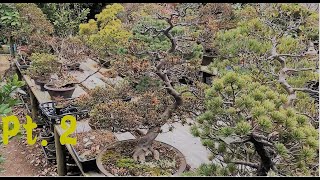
(140, 154)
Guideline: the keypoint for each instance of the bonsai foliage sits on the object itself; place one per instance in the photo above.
(35, 27)
(106, 35)
(162, 50)
(212, 18)
(43, 66)
(69, 50)
(256, 120)
(286, 58)
(251, 127)
(65, 17)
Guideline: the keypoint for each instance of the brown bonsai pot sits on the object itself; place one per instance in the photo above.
(65, 92)
(182, 163)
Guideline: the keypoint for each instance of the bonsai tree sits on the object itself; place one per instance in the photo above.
(43, 66)
(106, 35)
(286, 59)
(35, 27)
(70, 50)
(259, 116)
(161, 51)
(248, 127)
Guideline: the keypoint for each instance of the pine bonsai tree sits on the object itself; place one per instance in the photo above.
(248, 127)
(259, 117)
(162, 49)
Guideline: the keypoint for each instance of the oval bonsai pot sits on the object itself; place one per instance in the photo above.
(48, 138)
(181, 169)
(65, 92)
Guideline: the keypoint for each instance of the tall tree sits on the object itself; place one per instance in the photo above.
(66, 17)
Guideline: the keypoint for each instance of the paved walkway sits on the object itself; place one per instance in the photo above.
(190, 146)
(4, 64)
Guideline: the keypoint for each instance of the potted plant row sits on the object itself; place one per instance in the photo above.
(44, 68)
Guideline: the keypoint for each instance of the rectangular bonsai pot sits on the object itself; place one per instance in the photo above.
(87, 165)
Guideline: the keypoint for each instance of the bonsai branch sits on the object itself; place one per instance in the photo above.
(252, 165)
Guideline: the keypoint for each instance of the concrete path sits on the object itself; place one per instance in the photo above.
(190, 146)
(4, 64)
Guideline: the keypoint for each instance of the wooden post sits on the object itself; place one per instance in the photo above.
(60, 155)
(34, 104)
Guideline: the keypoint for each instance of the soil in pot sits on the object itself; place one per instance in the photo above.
(118, 161)
(65, 91)
(61, 103)
(90, 143)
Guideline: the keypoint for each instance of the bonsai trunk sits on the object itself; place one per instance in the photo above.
(145, 142)
(265, 162)
(144, 146)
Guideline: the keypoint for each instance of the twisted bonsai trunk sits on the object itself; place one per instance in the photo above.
(143, 147)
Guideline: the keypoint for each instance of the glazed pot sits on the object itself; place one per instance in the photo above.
(65, 92)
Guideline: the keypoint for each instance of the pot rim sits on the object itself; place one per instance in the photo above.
(182, 166)
(47, 87)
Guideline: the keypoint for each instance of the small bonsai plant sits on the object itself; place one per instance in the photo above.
(43, 65)
(71, 51)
